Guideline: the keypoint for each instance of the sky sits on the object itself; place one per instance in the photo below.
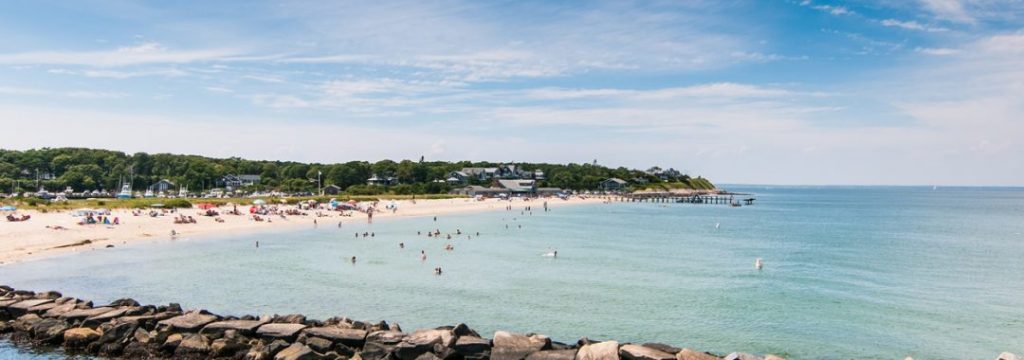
(900, 92)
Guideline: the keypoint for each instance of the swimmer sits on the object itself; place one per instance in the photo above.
(423, 255)
(401, 245)
(257, 244)
(353, 259)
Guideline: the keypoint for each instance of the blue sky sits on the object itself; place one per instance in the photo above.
(772, 91)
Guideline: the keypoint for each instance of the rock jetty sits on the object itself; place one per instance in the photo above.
(125, 329)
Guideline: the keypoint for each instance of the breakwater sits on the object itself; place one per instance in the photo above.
(126, 329)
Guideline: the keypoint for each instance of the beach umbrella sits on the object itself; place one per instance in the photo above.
(8, 208)
(353, 202)
(259, 202)
(206, 206)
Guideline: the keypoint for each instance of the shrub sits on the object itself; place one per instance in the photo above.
(177, 203)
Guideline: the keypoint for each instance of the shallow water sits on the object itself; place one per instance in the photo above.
(868, 272)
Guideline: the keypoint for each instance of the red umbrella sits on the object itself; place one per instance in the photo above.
(206, 206)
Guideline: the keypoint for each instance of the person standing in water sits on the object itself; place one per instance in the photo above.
(423, 255)
(353, 260)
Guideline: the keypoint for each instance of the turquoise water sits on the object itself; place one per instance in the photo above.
(850, 272)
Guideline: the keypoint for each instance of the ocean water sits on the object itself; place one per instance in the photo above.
(850, 272)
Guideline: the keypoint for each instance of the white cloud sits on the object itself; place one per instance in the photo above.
(912, 25)
(952, 10)
(219, 89)
(148, 53)
(938, 51)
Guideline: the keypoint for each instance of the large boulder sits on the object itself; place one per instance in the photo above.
(319, 344)
(80, 337)
(244, 327)
(638, 352)
(59, 310)
(742, 356)
(193, 345)
(105, 317)
(338, 334)
(607, 350)
(568, 354)
(227, 347)
(511, 346)
(21, 307)
(380, 344)
(49, 331)
(191, 321)
(287, 331)
(296, 351)
(663, 347)
(690, 354)
(473, 348)
(79, 313)
(423, 341)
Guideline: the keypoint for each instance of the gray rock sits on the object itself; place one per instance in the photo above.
(61, 309)
(472, 347)
(319, 344)
(689, 354)
(171, 343)
(427, 356)
(663, 347)
(43, 308)
(191, 321)
(79, 314)
(380, 344)
(280, 331)
(296, 351)
(423, 341)
(607, 350)
(21, 307)
(141, 336)
(227, 347)
(105, 317)
(244, 327)
(49, 331)
(638, 352)
(349, 337)
(464, 330)
(742, 356)
(511, 346)
(193, 345)
(290, 319)
(569, 354)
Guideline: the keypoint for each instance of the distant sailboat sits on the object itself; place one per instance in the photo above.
(717, 224)
(759, 263)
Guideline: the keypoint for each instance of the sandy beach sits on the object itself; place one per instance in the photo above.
(46, 234)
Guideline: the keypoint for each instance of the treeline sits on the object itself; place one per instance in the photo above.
(94, 169)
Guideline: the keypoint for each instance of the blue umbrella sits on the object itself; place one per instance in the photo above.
(8, 208)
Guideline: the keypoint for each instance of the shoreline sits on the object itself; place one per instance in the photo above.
(37, 238)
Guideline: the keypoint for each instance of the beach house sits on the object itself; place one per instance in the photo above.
(161, 186)
(382, 181)
(613, 184)
(332, 189)
(457, 178)
(236, 181)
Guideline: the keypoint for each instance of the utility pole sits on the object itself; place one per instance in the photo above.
(319, 189)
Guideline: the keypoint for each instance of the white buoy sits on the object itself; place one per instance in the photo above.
(759, 263)
(717, 225)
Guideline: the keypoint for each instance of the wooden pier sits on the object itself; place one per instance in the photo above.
(705, 199)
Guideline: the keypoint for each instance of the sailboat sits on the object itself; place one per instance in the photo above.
(183, 191)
